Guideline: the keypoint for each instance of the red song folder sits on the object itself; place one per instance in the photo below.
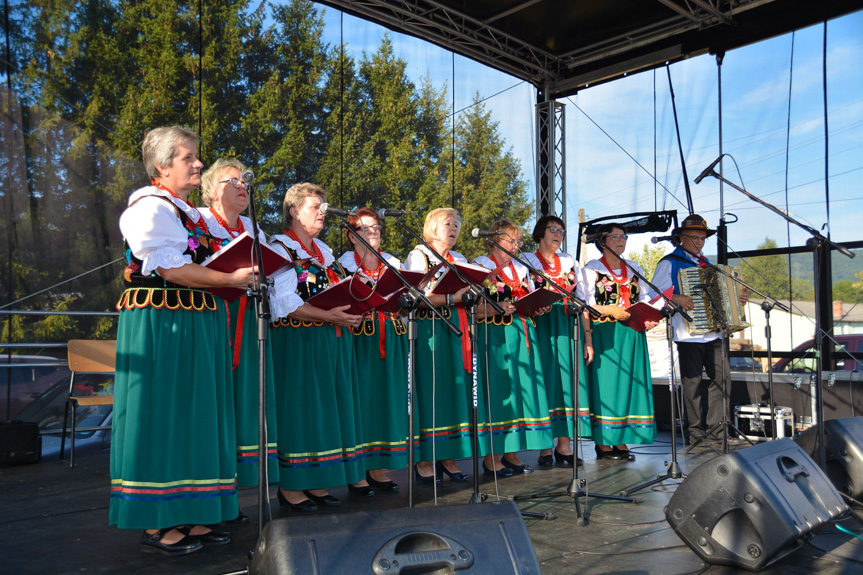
(450, 283)
(352, 291)
(239, 254)
(391, 289)
(643, 311)
(529, 304)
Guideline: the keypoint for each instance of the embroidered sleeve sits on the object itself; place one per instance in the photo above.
(155, 234)
(416, 261)
(284, 299)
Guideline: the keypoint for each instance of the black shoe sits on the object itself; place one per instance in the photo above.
(624, 454)
(454, 476)
(545, 460)
(611, 454)
(211, 537)
(151, 543)
(425, 479)
(325, 500)
(390, 486)
(568, 459)
(241, 519)
(304, 506)
(505, 472)
(516, 469)
(364, 491)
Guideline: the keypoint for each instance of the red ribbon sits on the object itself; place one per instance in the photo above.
(238, 333)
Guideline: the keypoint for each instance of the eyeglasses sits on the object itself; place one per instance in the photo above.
(512, 242)
(235, 182)
(618, 237)
(694, 239)
(374, 228)
(556, 230)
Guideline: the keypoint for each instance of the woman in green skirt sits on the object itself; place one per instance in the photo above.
(620, 388)
(380, 348)
(227, 196)
(509, 361)
(554, 334)
(317, 393)
(173, 463)
(443, 360)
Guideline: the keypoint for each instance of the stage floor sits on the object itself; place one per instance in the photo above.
(54, 520)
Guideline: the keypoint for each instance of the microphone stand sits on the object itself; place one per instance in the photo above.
(817, 243)
(576, 310)
(470, 299)
(260, 295)
(408, 301)
(674, 470)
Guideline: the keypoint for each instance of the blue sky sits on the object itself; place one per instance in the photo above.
(603, 180)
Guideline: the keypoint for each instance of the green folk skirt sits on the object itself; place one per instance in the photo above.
(246, 398)
(511, 377)
(620, 386)
(443, 390)
(173, 446)
(554, 340)
(317, 407)
(383, 392)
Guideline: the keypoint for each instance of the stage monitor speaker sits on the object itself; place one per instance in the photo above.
(477, 538)
(753, 506)
(843, 447)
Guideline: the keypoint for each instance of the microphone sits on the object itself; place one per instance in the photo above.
(248, 176)
(385, 213)
(328, 209)
(478, 233)
(591, 238)
(708, 169)
(658, 239)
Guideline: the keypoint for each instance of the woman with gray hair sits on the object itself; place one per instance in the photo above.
(227, 196)
(317, 392)
(173, 461)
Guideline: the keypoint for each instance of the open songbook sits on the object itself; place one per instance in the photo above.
(646, 311)
(363, 295)
(535, 300)
(449, 282)
(238, 254)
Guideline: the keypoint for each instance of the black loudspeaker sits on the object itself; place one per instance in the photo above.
(478, 538)
(20, 442)
(752, 507)
(843, 447)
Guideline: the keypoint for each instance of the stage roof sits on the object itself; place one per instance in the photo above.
(562, 46)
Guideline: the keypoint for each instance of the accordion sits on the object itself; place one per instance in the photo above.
(716, 298)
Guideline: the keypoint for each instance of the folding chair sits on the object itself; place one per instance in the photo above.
(86, 357)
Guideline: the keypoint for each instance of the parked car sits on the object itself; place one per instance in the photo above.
(806, 363)
(23, 378)
(48, 409)
(745, 364)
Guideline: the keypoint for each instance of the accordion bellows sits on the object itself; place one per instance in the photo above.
(716, 298)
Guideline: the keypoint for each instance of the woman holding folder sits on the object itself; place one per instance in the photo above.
(509, 361)
(380, 348)
(443, 360)
(620, 388)
(173, 459)
(317, 393)
(226, 196)
(554, 335)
